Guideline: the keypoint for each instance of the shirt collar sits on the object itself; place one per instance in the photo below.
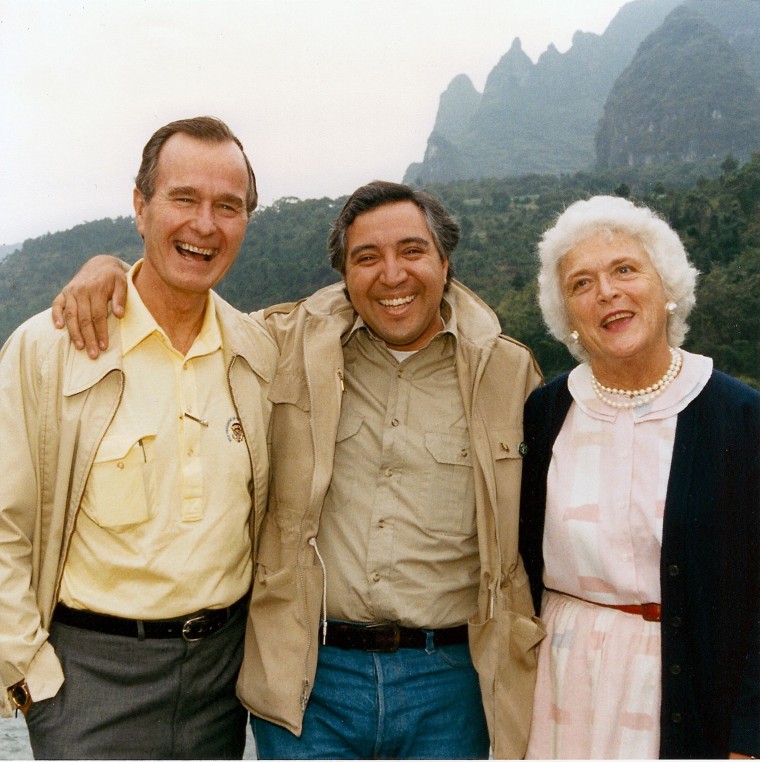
(138, 323)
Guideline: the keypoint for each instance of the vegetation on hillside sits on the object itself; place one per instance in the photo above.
(284, 256)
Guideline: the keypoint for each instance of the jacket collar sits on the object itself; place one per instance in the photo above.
(239, 335)
(243, 337)
(475, 320)
(83, 373)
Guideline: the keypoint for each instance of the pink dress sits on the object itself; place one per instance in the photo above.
(598, 687)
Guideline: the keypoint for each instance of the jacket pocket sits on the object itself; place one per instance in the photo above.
(505, 653)
(116, 492)
(289, 388)
(506, 444)
(452, 482)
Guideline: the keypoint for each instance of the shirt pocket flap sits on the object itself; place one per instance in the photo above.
(452, 449)
(348, 426)
(118, 447)
(507, 443)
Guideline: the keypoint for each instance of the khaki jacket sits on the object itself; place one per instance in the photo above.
(55, 406)
(496, 374)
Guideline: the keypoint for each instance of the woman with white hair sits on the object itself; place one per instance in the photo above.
(639, 522)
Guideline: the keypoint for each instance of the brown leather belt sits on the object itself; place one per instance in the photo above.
(387, 637)
(650, 612)
(190, 627)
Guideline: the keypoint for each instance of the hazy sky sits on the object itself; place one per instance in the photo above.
(324, 94)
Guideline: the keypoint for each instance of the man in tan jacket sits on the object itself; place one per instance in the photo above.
(133, 485)
(390, 614)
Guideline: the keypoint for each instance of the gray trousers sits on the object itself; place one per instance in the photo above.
(124, 698)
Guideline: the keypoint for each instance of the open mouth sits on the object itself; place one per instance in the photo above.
(188, 251)
(398, 302)
(610, 319)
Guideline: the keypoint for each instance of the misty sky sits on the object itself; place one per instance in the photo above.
(324, 94)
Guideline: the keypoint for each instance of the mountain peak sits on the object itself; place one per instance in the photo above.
(685, 96)
(545, 117)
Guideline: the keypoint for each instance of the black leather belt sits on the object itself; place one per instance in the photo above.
(387, 637)
(191, 627)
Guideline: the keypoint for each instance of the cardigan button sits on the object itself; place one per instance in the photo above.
(676, 621)
(676, 717)
(674, 570)
(675, 669)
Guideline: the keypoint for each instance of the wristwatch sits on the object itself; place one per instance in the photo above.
(20, 697)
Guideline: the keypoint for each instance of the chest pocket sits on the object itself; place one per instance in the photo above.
(449, 502)
(344, 482)
(289, 388)
(116, 496)
(289, 440)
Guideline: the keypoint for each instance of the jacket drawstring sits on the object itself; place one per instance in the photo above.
(313, 543)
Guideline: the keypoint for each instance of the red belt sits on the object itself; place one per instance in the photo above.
(650, 612)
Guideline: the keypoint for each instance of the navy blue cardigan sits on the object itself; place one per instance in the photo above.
(709, 567)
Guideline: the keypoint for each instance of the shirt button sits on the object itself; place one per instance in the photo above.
(120, 465)
(381, 524)
(389, 472)
(674, 570)
(675, 669)
(463, 452)
(394, 422)
(375, 577)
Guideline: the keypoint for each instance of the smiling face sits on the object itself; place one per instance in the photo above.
(194, 223)
(616, 302)
(395, 275)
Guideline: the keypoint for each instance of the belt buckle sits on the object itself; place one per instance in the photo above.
(187, 627)
(389, 629)
(651, 612)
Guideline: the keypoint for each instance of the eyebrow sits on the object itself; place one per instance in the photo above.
(367, 246)
(188, 190)
(582, 270)
(183, 190)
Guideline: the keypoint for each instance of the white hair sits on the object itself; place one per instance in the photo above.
(614, 215)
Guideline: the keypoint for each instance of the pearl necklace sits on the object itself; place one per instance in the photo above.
(639, 397)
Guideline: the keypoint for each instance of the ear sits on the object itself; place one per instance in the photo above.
(139, 204)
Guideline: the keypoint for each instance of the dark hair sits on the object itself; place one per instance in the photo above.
(443, 227)
(207, 128)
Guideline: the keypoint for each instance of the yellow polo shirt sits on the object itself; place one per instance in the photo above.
(163, 527)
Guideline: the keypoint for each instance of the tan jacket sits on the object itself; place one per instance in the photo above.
(55, 406)
(496, 375)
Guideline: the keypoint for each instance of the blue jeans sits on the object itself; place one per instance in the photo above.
(411, 704)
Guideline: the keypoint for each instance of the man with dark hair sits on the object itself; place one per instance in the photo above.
(133, 485)
(390, 612)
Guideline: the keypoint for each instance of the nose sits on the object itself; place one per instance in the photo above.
(204, 221)
(393, 271)
(606, 288)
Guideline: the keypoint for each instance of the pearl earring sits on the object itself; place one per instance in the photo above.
(574, 336)
(671, 307)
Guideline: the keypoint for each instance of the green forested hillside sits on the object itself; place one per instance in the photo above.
(284, 256)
